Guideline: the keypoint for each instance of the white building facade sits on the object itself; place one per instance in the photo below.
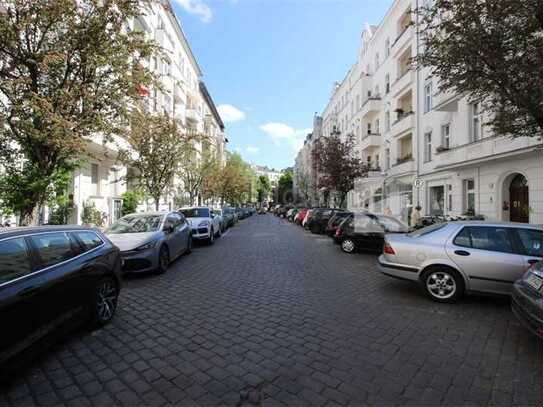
(426, 147)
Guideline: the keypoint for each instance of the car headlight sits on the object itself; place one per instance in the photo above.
(146, 246)
(203, 223)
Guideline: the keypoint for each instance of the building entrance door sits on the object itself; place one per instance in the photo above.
(519, 199)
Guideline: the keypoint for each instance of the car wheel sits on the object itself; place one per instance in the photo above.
(443, 284)
(189, 245)
(211, 238)
(104, 303)
(348, 246)
(219, 232)
(163, 259)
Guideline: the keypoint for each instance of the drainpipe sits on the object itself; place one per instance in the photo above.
(417, 81)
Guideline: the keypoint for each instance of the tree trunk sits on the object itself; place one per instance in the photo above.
(157, 202)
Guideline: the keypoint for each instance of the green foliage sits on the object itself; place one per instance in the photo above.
(232, 183)
(90, 215)
(284, 187)
(69, 70)
(155, 147)
(131, 200)
(263, 188)
(492, 51)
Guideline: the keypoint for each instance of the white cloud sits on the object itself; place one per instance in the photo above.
(230, 113)
(283, 133)
(252, 150)
(198, 8)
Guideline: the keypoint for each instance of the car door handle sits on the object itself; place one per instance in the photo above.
(462, 253)
(533, 261)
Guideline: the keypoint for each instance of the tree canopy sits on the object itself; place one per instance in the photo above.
(491, 51)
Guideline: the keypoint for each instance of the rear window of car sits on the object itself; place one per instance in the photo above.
(490, 238)
(427, 230)
(89, 239)
(392, 225)
(532, 240)
(53, 248)
(14, 259)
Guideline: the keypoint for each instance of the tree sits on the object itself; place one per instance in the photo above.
(197, 161)
(154, 146)
(67, 71)
(284, 187)
(231, 183)
(338, 168)
(131, 200)
(491, 51)
(263, 188)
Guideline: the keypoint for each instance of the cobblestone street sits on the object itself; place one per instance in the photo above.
(270, 303)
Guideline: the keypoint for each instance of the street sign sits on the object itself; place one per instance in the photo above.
(419, 183)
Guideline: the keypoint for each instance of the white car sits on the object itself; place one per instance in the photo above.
(204, 223)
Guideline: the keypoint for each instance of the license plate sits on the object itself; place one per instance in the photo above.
(534, 282)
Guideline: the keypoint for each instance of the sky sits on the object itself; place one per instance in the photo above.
(270, 65)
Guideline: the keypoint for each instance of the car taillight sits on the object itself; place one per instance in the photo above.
(338, 232)
(387, 249)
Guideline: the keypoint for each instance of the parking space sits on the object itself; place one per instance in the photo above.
(271, 304)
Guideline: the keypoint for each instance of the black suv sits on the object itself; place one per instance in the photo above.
(51, 279)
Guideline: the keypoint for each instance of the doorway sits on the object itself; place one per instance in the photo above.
(519, 199)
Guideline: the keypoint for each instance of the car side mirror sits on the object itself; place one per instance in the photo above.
(168, 228)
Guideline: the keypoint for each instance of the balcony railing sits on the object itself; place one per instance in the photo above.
(404, 159)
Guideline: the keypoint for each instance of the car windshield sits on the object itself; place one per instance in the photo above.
(196, 213)
(227, 211)
(136, 224)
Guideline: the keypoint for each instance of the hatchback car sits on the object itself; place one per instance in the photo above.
(318, 222)
(366, 231)
(527, 299)
(451, 258)
(150, 241)
(52, 279)
(228, 216)
(335, 221)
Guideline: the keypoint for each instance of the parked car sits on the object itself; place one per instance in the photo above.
(229, 217)
(319, 220)
(335, 221)
(217, 213)
(150, 241)
(451, 258)
(51, 280)
(527, 299)
(204, 224)
(292, 214)
(366, 231)
(300, 216)
(308, 216)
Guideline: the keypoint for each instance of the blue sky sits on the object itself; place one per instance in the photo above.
(271, 64)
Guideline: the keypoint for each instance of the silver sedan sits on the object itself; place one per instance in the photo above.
(449, 259)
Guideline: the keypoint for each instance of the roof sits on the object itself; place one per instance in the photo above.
(23, 230)
(211, 104)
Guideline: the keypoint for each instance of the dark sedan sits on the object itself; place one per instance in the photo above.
(51, 279)
(366, 231)
(335, 221)
(319, 221)
(527, 299)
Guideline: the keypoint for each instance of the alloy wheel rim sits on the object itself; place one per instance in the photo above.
(348, 245)
(107, 301)
(441, 285)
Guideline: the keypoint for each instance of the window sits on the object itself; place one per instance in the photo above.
(428, 97)
(469, 196)
(495, 239)
(377, 161)
(90, 240)
(449, 198)
(387, 121)
(94, 174)
(387, 47)
(14, 259)
(475, 122)
(387, 158)
(369, 161)
(369, 128)
(446, 136)
(387, 83)
(532, 240)
(428, 147)
(377, 126)
(53, 248)
(437, 200)
(376, 61)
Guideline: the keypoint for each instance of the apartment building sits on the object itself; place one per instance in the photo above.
(304, 180)
(426, 147)
(102, 180)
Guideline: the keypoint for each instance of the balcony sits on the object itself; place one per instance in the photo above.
(193, 115)
(404, 165)
(370, 141)
(403, 83)
(486, 149)
(405, 37)
(403, 125)
(373, 104)
(446, 101)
